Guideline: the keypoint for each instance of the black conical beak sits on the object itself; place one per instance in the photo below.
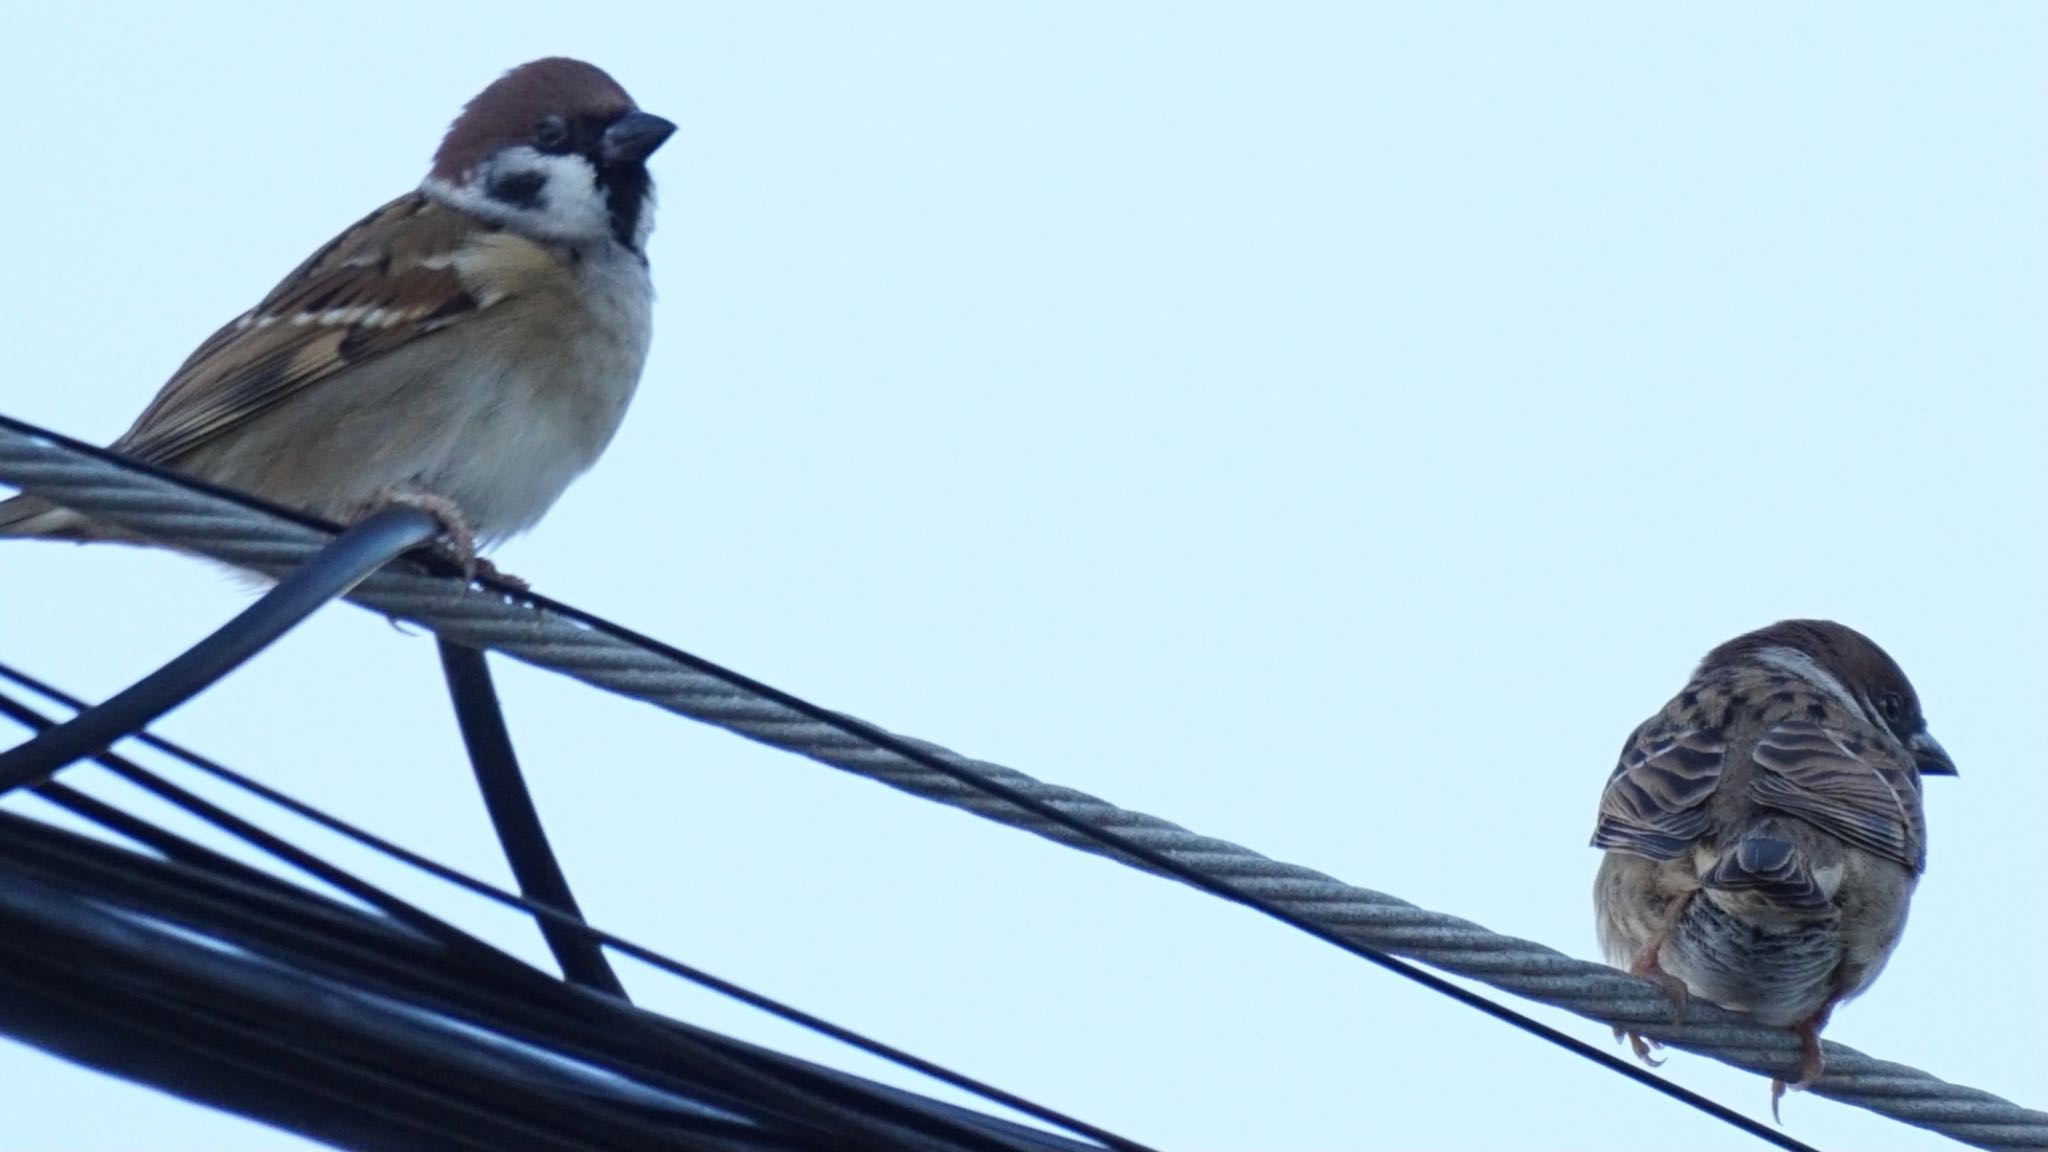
(633, 137)
(1930, 757)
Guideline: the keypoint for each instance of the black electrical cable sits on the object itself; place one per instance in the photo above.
(1124, 845)
(123, 994)
(486, 957)
(339, 566)
(351, 557)
(1162, 862)
(512, 812)
(367, 956)
(826, 1104)
(548, 914)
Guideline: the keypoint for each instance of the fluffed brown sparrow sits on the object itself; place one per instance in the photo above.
(1764, 832)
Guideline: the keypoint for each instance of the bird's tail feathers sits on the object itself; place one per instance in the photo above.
(1765, 869)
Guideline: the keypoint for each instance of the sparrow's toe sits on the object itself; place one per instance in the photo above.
(1642, 1046)
(1674, 988)
(490, 571)
(458, 541)
(1649, 968)
(1811, 1062)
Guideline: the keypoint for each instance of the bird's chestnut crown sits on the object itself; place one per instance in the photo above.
(554, 149)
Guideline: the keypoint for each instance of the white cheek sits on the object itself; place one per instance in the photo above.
(568, 206)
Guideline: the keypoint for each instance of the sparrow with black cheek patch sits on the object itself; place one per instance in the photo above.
(1764, 832)
(469, 348)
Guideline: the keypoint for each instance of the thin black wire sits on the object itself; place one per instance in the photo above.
(334, 566)
(512, 812)
(1159, 861)
(847, 1119)
(548, 914)
(736, 1075)
(889, 742)
(340, 565)
(400, 911)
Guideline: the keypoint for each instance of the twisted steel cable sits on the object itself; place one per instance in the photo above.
(197, 519)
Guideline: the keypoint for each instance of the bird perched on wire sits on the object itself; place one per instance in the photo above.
(1764, 832)
(468, 348)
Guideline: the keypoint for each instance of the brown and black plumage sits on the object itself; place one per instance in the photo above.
(1764, 831)
(469, 347)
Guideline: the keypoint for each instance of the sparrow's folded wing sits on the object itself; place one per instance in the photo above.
(1656, 802)
(388, 280)
(1852, 785)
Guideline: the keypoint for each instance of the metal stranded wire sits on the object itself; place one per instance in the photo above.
(550, 916)
(553, 637)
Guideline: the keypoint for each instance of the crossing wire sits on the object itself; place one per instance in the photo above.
(543, 633)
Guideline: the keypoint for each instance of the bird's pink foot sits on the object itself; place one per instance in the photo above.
(489, 571)
(1647, 966)
(1681, 999)
(458, 540)
(1811, 1062)
(1642, 1046)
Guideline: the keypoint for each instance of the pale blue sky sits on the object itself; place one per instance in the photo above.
(1331, 427)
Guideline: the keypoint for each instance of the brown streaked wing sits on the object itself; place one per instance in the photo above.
(1849, 785)
(385, 281)
(1656, 802)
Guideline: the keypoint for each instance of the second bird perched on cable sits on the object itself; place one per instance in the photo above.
(469, 347)
(1764, 832)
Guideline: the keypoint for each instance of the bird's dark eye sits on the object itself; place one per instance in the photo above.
(1892, 705)
(551, 134)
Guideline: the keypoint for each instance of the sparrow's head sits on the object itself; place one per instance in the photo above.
(554, 149)
(1850, 666)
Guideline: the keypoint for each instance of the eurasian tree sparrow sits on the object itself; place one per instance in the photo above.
(1764, 832)
(469, 347)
